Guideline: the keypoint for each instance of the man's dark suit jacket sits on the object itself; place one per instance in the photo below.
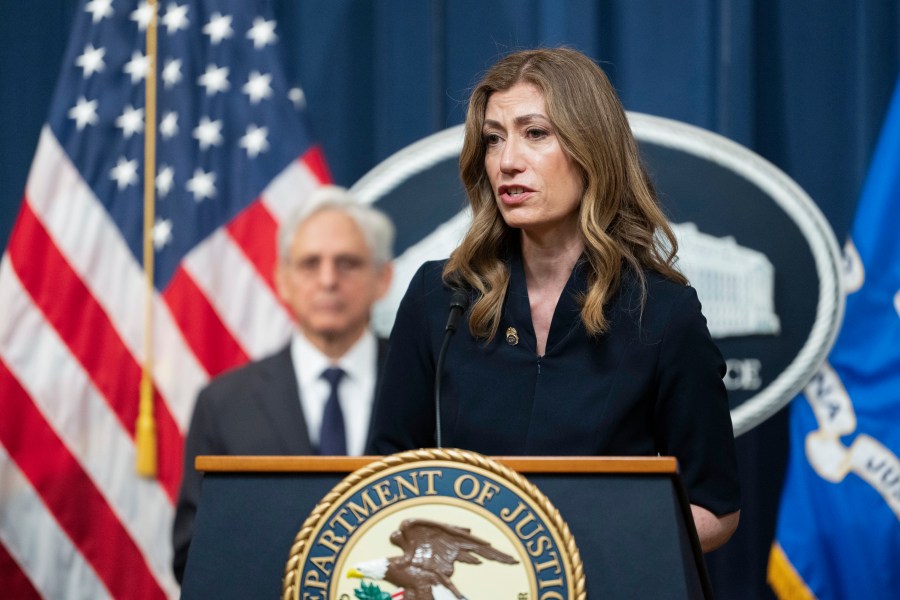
(254, 410)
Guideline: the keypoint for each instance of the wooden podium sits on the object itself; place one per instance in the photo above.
(630, 518)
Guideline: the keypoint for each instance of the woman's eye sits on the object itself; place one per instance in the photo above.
(536, 134)
(491, 139)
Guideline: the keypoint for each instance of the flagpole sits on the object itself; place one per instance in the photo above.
(145, 428)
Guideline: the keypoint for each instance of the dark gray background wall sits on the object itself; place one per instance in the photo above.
(804, 83)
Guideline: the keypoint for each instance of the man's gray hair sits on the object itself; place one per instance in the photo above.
(376, 227)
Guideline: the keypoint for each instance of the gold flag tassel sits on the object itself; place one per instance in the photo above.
(145, 428)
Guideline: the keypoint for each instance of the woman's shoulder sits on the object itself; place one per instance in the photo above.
(430, 273)
(665, 287)
(656, 300)
(658, 287)
(428, 280)
(432, 269)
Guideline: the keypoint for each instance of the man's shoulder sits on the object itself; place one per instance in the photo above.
(237, 381)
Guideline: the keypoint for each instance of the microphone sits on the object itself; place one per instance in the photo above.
(459, 301)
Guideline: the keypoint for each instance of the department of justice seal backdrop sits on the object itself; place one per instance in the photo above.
(434, 524)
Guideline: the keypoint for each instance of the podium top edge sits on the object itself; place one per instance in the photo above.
(633, 465)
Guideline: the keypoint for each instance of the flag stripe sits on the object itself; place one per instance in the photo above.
(71, 213)
(212, 343)
(34, 539)
(314, 160)
(71, 406)
(76, 521)
(255, 231)
(287, 191)
(169, 448)
(261, 330)
(15, 583)
(91, 337)
(79, 507)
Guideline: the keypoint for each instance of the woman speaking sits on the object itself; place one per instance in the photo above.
(582, 338)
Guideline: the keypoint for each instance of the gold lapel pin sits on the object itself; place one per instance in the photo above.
(512, 336)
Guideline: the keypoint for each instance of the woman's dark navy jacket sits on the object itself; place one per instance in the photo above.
(652, 384)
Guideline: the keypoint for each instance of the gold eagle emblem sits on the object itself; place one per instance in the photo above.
(430, 550)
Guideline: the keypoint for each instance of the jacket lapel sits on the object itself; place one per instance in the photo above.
(278, 398)
(382, 356)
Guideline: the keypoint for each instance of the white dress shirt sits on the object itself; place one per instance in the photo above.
(356, 389)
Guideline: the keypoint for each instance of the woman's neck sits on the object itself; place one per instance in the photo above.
(548, 266)
(550, 259)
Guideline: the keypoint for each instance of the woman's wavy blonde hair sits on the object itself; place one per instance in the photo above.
(620, 219)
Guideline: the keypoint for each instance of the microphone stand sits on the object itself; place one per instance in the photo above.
(458, 303)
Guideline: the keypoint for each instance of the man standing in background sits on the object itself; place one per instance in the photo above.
(315, 395)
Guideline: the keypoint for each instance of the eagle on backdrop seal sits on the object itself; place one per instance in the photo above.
(430, 550)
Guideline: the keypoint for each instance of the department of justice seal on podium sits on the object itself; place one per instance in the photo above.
(434, 524)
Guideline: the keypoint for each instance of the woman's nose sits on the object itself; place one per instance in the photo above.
(511, 156)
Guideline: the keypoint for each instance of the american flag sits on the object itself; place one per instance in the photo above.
(233, 154)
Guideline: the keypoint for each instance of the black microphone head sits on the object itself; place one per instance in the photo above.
(459, 299)
(458, 303)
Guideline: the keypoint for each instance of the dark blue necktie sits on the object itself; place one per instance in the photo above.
(332, 438)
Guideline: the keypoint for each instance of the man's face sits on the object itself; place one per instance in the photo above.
(329, 280)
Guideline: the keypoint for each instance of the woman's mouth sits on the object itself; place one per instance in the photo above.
(513, 194)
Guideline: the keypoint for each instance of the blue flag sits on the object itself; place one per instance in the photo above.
(838, 533)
